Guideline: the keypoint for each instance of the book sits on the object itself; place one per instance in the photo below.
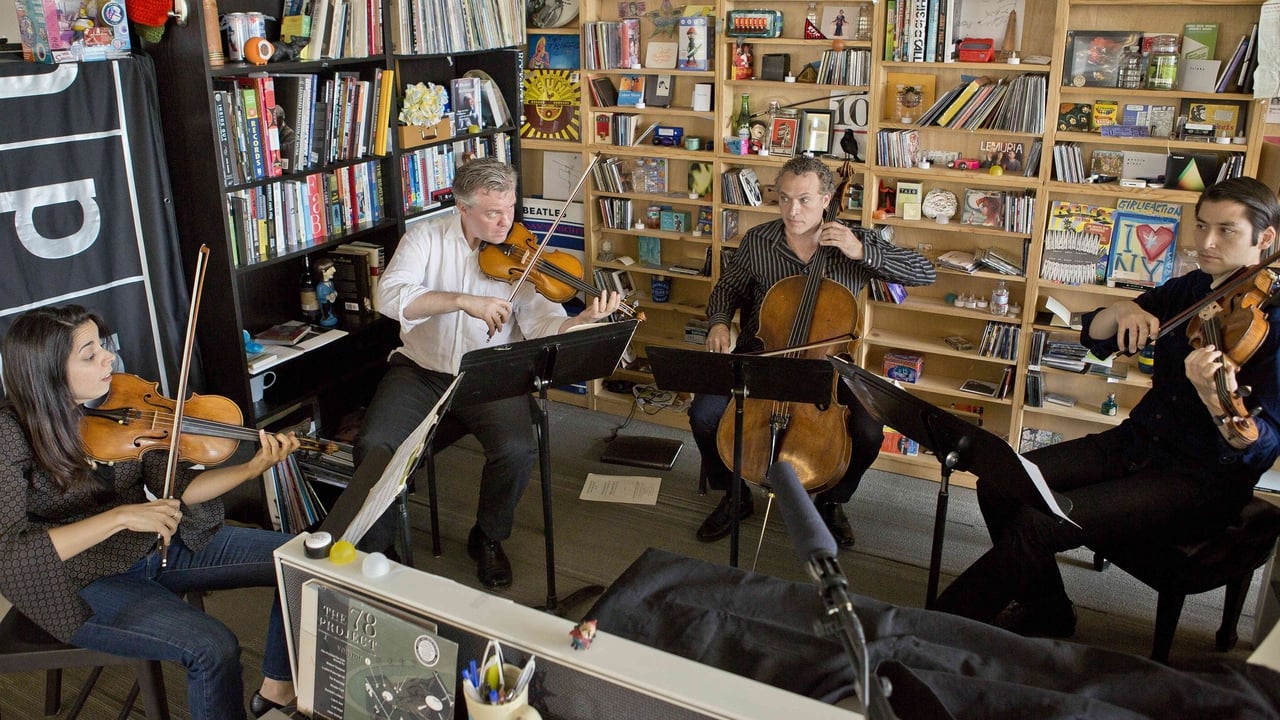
(1006, 154)
(657, 90)
(908, 200)
(980, 387)
(554, 52)
(466, 99)
(694, 34)
(348, 645)
(1075, 116)
(1199, 40)
(285, 333)
(351, 280)
(650, 251)
(1109, 163)
(983, 207)
(1144, 243)
(1093, 56)
(1225, 118)
(603, 91)
(1199, 75)
(630, 90)
(1035, 438)
(1077, 243)
(963, 99)
(629, 43)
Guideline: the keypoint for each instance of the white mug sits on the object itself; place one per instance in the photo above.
(259, 383)
(517, 708)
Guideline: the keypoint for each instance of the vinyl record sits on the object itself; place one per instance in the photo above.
(552, 13)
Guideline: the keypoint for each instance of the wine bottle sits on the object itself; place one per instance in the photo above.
(307, 292)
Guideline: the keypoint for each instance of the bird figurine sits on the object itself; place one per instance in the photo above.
(289, 50)
(665, 19)
(849, 144)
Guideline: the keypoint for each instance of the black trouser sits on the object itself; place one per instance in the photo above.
(1121, 492)
(866, 432)
(504, 428)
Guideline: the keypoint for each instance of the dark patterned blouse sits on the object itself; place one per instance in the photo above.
(32, 576)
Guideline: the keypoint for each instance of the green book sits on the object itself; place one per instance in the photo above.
(1199, 40)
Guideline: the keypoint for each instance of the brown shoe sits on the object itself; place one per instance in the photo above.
(492, 566)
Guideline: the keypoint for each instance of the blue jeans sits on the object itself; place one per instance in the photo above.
(140, 613)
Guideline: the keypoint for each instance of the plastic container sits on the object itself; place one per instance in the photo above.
(1131, 68)
(1000, 299)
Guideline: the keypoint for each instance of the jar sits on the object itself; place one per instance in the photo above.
(1130, 76)
(1162, 63)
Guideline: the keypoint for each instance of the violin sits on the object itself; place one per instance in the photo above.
(1236, 325)
(136, 418)
(555, 275)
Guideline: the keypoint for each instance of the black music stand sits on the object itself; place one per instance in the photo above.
(527, 366)
(958, 445)
(740, 376)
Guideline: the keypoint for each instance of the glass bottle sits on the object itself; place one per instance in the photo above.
(1162, 64)
(742, 124)
(1131, 67)
(1109, 406)
(862, 31)
(1000, 299)
(307, 292)
(774, 109)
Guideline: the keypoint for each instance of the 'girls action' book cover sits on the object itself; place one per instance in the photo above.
(1144, 243)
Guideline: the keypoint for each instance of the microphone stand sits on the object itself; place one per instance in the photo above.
(842, 623)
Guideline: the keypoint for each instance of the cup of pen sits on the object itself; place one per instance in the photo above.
(482, 705)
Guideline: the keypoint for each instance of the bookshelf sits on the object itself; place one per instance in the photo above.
(875, 107)
(363, 179)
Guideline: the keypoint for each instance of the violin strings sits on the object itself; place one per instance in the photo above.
(195, 424)
(573, 281)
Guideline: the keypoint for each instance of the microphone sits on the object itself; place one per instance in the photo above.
(809, 535)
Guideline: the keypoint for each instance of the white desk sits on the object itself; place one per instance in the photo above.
(700, 690)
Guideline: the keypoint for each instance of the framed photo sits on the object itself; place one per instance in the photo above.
(783, 135)
(817, 132)
(1093, 58)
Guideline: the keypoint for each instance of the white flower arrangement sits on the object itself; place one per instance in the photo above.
(425, 104)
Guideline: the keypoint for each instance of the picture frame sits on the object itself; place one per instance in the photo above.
(783, 134)
(817, 132)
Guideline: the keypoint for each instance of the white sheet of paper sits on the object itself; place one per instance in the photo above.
(1037, 479)
(396, 474)
(629, 489)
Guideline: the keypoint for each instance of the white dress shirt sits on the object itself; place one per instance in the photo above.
(434, 256)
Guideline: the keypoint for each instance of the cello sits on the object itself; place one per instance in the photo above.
(802, 316)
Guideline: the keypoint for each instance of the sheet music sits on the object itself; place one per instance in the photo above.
(396, 474)
(1037, 479)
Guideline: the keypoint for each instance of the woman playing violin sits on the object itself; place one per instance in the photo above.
(78, 540)
(1177, 468)
(446, 306)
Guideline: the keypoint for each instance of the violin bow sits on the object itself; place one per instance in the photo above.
(533, 262)
(180, 396)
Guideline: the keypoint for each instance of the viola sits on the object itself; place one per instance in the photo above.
(1237, 326)
(555, 275)
(136, 418)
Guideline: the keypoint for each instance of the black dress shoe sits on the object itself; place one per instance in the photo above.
(260, 706)
(1048, 620)
(834, 518)
(717, 523)
(492, 566)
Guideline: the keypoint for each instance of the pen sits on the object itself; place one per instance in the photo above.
(493, 697)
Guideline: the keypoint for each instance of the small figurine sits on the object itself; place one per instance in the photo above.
(325, 292)
(288, 50)
(580, 637)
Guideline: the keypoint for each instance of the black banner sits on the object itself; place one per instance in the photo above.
(86, 215)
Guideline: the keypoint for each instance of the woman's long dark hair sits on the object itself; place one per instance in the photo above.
(35, 351)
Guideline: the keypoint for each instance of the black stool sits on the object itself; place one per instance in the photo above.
(25, 647)
(1175, 571)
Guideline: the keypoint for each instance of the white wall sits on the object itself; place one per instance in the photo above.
(9, 20)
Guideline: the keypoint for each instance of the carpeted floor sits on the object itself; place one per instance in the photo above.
(892, 516)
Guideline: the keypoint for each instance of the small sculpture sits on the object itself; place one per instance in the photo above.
(580, 637)
(289, 50)
(325, 292)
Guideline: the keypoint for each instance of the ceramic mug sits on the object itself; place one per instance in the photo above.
(517, 708)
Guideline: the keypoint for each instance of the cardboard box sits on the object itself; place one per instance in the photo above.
(903, 367)
(675, 221)
(72, 30)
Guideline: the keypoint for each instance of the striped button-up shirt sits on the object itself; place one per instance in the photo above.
(764, 258)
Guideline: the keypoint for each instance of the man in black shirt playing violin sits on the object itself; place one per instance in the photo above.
(1184, 462)
(768, 253)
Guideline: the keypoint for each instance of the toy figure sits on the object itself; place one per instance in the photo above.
(691, 47)
(580, 637)
(325, 292)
